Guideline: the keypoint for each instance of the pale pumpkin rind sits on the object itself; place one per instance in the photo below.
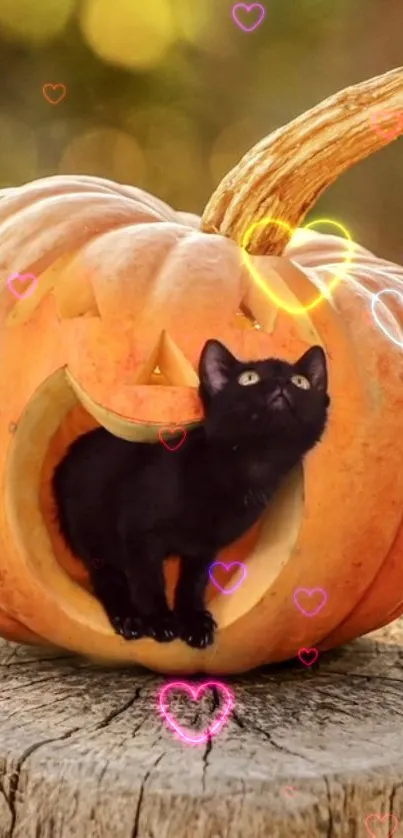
(128, 292)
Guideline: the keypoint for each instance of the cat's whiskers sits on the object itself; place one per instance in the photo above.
(257, 497)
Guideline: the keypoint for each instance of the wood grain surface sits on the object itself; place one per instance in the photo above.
(306, 752)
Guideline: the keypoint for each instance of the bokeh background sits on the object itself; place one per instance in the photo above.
(169, 94)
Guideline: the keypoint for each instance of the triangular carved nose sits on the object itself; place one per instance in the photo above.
(167, 365)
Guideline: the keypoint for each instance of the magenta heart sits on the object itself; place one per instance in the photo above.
(194, 692)
(251, 7)
(310, 592)
(21, 278)
(227, 568)
(308, 656)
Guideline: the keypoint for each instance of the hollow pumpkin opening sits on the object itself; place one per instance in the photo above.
(53, 418)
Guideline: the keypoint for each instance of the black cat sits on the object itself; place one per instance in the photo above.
(123, 507)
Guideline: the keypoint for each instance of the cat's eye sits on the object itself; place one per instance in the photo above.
(248, 377)
(301, 381)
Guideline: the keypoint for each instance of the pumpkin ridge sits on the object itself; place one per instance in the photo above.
(43, 188)
(110, 298)
(376, 594)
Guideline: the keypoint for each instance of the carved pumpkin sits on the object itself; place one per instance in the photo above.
(128, 291)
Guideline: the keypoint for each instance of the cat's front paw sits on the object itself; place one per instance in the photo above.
(196, 628)
(161, 627)
(131, 628)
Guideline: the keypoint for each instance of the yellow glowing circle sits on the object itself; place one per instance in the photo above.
(262, 284)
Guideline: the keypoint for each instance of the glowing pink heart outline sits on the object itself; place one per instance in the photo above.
(226, 567)
(381, 818)
(248, 7)
(310, 591)
(22, 277)
(315, 656)
(194, 693)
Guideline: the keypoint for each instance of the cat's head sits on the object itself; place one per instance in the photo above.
(271, 399)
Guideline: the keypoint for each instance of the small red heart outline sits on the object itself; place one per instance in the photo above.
(172, 429)
(194, 692)
(383, 116)
(17, 277)
(54, 87)
(309, 653)
(292, 789)
(381, 818)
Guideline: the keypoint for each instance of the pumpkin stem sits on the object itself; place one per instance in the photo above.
(283, 175)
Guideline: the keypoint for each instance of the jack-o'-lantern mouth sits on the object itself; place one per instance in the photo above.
(117, 394)
(53, 418)
(131, 424)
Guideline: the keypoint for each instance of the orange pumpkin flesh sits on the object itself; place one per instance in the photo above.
(128, 293)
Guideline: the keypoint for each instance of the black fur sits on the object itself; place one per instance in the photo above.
(123, 507)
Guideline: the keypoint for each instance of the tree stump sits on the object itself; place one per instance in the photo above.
(306, 752)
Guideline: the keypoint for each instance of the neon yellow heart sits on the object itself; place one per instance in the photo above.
(262, 283)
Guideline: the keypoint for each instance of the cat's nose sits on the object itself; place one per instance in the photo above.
(278, 390)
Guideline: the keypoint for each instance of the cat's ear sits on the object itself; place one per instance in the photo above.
(215, 367)
(313, 365)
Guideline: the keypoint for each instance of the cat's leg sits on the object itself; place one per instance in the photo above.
(195, 623)
(111, 588)
(143, 564)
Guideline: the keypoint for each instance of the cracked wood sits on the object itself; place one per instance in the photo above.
(84, 751)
